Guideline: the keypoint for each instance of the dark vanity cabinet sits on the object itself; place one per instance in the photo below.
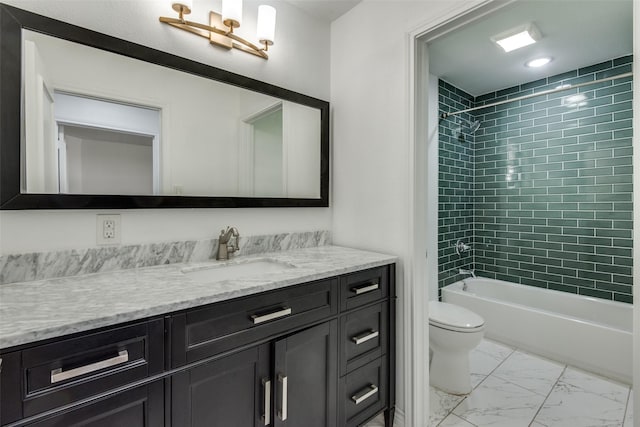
(318, 354)
(288, 382)
(89, 379)
(137, 407)
(232, 390)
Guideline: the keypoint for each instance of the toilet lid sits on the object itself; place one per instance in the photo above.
(450, 316)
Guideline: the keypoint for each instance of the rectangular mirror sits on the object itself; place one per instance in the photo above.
(103, 123)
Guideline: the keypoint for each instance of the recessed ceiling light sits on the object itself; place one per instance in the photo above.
(538, 62)
(518, 37)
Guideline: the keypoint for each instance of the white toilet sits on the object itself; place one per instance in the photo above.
(453, 332)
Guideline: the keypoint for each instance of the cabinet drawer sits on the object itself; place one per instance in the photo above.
(363, 336)
(363, 287)
(73, 369)
(363, 393)
(202, 333)
(139, 407)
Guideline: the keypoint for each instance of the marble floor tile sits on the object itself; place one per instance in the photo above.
(440, 405)
(485, 358)
(531, 372)
(455, 421)
(581, 399)
(481, 363)
(494, 348)
(498, 403)
(476, 379)
(628, 419)
(593, 383)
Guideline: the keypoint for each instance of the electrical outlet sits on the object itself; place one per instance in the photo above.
(108, 229)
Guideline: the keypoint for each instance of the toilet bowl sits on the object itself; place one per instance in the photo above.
(453, 332)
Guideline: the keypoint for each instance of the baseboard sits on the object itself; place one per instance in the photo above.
(399, 418)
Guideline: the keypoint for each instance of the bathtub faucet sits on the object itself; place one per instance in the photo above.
(471, 273)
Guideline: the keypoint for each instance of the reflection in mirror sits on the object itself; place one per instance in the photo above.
(101, 123)
(105, 147)
(97, 161)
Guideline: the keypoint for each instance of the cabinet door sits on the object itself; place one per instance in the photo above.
(305, 377)
(228, 392)
(139, 407)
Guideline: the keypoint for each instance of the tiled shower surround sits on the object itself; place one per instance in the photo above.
(455, 186)
(551, 204)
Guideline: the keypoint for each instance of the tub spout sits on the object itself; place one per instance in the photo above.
(471, 273)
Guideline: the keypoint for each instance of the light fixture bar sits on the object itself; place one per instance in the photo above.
(533, 95)
(216, 32)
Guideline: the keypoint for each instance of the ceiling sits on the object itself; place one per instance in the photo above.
(575, 33)
(328, 10)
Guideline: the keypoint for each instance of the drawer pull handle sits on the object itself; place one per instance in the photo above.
(266, 384)
(271, 316)
(58, 375)
(283, 410)
(365, 289)
(368, 392)
(359, 339)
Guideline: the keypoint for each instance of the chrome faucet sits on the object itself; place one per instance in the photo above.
(225, 245)
(461, 247)
(471, 273)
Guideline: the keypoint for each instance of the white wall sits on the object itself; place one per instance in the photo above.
(111, 166)
(372, 146)
(302, 146)
(299, 61)
(432, 191)
(636, 213)
(267, 151)
(73, 152)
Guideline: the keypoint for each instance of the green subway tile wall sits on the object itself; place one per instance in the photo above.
(551, 185)
(456, 180)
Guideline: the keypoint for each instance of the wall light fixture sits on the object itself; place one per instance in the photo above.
(221, 26)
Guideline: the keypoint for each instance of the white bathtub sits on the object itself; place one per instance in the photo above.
(589, 333)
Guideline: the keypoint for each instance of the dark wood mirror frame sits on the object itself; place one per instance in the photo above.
(13, 20)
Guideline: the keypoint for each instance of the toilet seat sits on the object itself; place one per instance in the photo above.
(454, 318)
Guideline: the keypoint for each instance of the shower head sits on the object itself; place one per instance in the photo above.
(473, 126)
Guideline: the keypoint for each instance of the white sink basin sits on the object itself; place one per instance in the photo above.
(253, 269)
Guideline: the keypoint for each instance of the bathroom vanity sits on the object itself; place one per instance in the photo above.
(310, 342)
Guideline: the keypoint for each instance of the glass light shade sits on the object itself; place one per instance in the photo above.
(232, 12)
(538, 62)
(266, 24)
(185, 5)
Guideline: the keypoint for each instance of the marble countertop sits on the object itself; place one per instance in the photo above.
(33, 311)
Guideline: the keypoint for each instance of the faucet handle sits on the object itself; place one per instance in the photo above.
(461, 247)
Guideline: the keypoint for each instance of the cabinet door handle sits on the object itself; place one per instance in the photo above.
(283, 387)
(285, 311)
(365, 289)
(359, 339)
(364, 394)
(266, 385)
(58, 375)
